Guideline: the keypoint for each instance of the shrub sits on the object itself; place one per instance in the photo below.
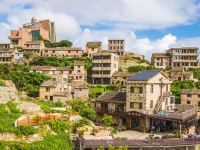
(58, 126)
(84, 109)
(28, 130)
(2, 83)
(107, 120)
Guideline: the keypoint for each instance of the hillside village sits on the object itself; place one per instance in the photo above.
(53, 94)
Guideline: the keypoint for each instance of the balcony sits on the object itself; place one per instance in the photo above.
(181, 113)
(101, 75)
(14, 37)
(101, 61)
(101, 68)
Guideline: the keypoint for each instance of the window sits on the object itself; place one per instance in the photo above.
(131, 105)
(140, 105)
(47, 89)
(46, 97)
(78, 71)
(166, 87)
(151, 104)
(198, 95)
(151, 89)
(189, 95)
(131, 89)
(35, 35)
(188, 102)
(78, 66)
(140, 90)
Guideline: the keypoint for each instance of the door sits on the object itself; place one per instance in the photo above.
(135, 123)
(51, 98)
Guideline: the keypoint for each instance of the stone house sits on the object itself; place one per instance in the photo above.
(179, 74)
(120, 77)
(190, 97)
(71, 52)
(77, 72)
(80, 90)
(93, 47)
(54, 90)
(146, 104)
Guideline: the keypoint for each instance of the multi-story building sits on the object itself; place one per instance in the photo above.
(77, 72)
(186, 57)
(80, 90)
(54, 90)
(190, 97)
(5, 46)
(93, 47)
(116, 46)
(33, 31)
(160, 60)
(72, 52)
(121, 77)
(104, 64)
(10, 55)
(147, 105)
(179, 74)
(33, 47)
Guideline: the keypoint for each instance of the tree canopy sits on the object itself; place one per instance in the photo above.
(63, 43)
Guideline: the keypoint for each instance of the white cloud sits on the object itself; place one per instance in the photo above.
(122, 17)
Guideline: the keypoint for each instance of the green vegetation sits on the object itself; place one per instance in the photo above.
(110, 147)
(59, 126)
(22, 78)
(28, 130)
(60, 141)
(107, 120)
(135, 69)
(196, 72)
(84, 109)
(60, 62)
(79, 123)
(9, 113)
(63, 43)
(177, 86)
(96, 91)
(2, 83)
(46, 105)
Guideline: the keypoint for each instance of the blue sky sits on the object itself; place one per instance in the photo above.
(147, 26)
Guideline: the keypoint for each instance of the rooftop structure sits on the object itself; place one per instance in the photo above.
(93, 47)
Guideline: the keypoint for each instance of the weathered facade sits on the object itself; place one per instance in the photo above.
(33, 47)
(104, 64)
(160, 60)
(147, 104)
(120, 77)
(32, 32)
(116, 46)
(190, 97)
(186, 57)
(179, 74)
(72, 52)
(77, 72)
(93, 47)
